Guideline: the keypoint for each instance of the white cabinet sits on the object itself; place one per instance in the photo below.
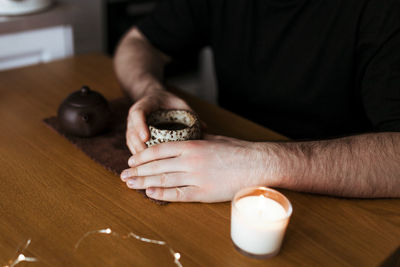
(35, 46)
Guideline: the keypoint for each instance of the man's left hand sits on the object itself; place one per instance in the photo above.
(209, 170)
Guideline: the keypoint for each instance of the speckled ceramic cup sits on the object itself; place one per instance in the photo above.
(172, 125)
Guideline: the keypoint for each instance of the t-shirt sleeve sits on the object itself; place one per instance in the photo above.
(177, 27)
(379, 64)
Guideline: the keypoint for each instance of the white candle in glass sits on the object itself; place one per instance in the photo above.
(259, 220)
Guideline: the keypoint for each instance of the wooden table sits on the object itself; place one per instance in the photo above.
(53, 193)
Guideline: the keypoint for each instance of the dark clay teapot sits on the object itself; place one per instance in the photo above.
(84, 113)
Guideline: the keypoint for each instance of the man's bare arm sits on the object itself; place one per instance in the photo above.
(138, 65)
(214, 169)
(365, 165)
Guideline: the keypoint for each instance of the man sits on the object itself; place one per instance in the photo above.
(313, 70)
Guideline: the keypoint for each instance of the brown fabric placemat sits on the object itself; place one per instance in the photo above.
(109, 149)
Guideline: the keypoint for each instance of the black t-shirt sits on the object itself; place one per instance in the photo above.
(305, 68)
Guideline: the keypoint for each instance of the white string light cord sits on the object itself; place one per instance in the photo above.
(108, 231)
(21, 257)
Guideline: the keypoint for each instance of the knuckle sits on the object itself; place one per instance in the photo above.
(178, 193)
(133, 172)
(143, 182)
(181, 194)
(163, 179)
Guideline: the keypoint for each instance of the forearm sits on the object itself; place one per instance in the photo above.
(356, 166)
(138, 65)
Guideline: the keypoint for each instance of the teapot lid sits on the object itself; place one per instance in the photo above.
(85, 97)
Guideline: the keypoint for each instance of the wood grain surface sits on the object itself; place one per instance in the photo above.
(53, 193)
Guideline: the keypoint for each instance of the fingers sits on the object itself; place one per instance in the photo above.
(137, 123)
(176, 194)
(161, 180)
(130, 144)
(153, 168)
(157, 152)
(137, 131)
(133, 142)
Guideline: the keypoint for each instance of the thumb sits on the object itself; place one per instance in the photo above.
(140, 125)
(137, 124)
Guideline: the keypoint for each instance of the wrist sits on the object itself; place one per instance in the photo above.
(278, 164)
(145, 86)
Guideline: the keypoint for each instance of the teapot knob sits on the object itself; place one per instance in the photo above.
(85, 90)
(85, 117)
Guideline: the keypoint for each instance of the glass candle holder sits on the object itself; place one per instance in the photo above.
(259, 219)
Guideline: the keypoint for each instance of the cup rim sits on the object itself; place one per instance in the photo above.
(189, 113)
(247, 192)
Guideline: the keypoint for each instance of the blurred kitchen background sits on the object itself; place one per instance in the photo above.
(39, 31)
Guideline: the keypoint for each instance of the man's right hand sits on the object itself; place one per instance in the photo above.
(137, 132)
(139, 67)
